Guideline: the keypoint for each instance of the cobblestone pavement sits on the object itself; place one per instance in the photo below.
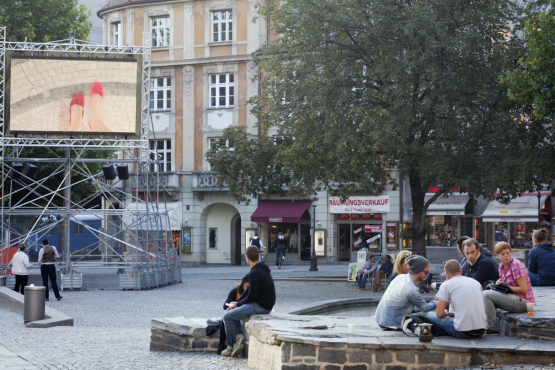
(112, 328)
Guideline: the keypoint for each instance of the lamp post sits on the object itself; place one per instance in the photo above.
(313, 259)
(539, 211)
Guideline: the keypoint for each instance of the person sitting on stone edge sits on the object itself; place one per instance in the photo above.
(403, 295)
(460, 310)
(481, 269)
(259, 299)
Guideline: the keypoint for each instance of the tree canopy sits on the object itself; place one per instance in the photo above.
(533, 81)
(44, 20)
(357, 88)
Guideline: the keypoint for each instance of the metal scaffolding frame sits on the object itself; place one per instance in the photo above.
(132, 248)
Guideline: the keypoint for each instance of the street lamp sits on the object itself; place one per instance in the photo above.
(313, 259)
(539, 211)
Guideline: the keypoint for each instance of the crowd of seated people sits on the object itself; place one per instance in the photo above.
(465, 305)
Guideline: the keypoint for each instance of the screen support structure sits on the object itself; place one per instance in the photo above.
(31, 209)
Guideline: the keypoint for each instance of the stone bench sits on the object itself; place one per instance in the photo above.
(180, 334)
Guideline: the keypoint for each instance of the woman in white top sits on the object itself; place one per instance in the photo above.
(20, 268)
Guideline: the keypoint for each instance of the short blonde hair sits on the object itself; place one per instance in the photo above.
(501, 246)
(401, 257)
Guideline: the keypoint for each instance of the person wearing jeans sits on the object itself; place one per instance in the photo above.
(47, 256)
(259, 298)
(466, 318)
(512, 273)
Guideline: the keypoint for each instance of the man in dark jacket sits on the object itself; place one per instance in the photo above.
(483, 251)
(385, 270)
(260, 298)
(481, 268)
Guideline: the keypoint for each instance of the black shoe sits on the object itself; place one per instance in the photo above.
(424, 290)
(492, 332)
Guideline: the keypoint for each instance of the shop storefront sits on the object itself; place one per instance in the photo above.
(290, 218)
(515, 222)
(360, 225)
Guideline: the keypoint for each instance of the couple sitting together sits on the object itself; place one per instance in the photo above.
(461, 308)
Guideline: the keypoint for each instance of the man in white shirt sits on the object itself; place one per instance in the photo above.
(20, 268)
(466, 317)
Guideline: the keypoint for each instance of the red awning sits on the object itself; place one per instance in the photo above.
(280, 211)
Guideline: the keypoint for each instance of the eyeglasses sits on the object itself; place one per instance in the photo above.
(426, 272)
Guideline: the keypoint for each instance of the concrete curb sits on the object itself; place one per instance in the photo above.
(13, 301)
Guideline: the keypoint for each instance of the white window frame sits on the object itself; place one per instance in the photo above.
(117, 34)
(164, 155)
(216, 85)
(222, 26)
(160, 92)
(160, 31)
(213, 140)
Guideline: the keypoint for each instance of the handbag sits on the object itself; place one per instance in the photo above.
(501, 288)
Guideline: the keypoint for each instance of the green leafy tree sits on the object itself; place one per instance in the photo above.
(44, 20)
(357, 88)
(533, 81)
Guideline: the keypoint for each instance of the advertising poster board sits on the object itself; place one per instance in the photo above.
(186, 246)
(352, 274)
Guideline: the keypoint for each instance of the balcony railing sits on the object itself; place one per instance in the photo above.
(209, 181)
(154, 181)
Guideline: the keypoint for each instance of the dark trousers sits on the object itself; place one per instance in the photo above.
(49, 271)
(21, 282)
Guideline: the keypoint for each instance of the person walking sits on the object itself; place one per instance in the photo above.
(20, 268)
(47, 256)
(258, 244)
(280, 244)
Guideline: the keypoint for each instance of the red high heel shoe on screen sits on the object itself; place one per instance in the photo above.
(76, 112)
(96, 112)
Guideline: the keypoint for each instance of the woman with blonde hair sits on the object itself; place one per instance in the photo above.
(541, 260)
(513, 274)
(400, 266)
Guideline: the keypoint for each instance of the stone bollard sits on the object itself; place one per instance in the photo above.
(34, 303)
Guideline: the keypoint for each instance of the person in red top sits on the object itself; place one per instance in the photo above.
(513, 273)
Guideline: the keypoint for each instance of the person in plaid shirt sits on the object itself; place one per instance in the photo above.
(512, 273)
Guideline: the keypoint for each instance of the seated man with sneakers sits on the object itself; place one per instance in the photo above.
(260, 298)
(403, 296)
(460, 310)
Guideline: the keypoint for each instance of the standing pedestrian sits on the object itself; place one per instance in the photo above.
(47, 257)
(20, 268)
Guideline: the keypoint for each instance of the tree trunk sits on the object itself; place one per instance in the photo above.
(418, 229)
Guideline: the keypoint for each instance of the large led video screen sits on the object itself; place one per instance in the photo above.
(71, 95)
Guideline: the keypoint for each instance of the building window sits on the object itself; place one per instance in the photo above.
(222, 25)
(77, 229)
(160, 151)
(211, 143)
(160, 93)
(160, 30)
(117, 36)
(213, 238)
(222, 91)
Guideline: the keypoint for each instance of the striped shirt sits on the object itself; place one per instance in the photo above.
(511, 273)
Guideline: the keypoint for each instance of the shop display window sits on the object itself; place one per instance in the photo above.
(501, 232)
(480, 230)
(290, 232)
(364, 236)
(405, 233)
(444, 232)
(521, 234)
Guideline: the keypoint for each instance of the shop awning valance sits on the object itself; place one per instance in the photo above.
(452, 205)
(521, 209)
(135, 216)
(280, 211)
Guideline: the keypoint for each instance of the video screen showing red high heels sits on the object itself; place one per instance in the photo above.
(70, 95)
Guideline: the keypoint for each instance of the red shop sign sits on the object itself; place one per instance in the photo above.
(372, 228)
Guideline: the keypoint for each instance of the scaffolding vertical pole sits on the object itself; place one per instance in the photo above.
(67, 204)
(3, 239)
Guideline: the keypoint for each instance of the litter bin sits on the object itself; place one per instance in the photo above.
(33, 306)
(2, 280)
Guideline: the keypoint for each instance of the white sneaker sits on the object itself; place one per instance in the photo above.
(226, 352)
(238, 347)
(283, 258)
(407, 331)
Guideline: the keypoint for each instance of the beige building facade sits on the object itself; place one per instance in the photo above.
(202, 76)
